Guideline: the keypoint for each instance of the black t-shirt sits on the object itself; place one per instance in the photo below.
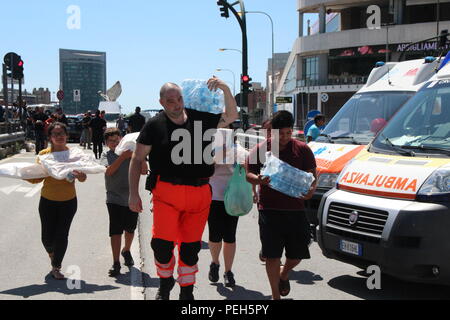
(63, 119)
(157, 133)
(137, 122)
(85, 122)
(97, 124)
(39, 119)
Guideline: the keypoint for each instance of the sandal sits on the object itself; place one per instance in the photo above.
(284, 287)
(57, 275)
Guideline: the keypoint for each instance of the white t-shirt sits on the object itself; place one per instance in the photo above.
(219, 180)
(223, 173)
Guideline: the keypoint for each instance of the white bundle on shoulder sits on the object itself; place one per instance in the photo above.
(127, 143)
(225, 150)
(22, 170)
(60, 165)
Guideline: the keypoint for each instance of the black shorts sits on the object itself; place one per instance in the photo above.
(284, 230)
(121, 219)
(222, 226)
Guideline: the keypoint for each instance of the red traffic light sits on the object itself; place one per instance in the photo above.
(20, 64)
(246, 79)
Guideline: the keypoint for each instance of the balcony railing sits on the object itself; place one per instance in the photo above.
(350, 80)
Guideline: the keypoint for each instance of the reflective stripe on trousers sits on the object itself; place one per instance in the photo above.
(165, 270)
(186, 275)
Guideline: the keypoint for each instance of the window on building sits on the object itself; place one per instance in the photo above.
(290, 83)
(310, 72)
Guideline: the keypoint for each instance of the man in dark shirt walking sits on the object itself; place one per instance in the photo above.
(39, 119)
(137, 121)
(61, 117)
(98, 127)
(182, 195)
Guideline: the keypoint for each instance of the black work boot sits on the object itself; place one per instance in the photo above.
(187, 293)
(165, 286)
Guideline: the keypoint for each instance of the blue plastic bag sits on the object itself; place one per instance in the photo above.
(238, 197)
(197, 96)
(286, 178)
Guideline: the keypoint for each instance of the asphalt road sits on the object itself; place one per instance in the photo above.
(24, 264)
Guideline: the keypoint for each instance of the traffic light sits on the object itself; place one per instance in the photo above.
(223, 8)
(246, 82)
(18, 70)
(443, 38)
(14, 63)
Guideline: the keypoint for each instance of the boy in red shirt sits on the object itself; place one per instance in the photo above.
(282, 220)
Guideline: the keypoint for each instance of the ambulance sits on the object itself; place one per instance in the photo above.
(391, 204)
(388, 87)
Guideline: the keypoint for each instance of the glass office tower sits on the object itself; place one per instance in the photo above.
(84, 71)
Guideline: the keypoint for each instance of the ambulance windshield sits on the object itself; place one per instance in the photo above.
(422, 126)
(363, 116)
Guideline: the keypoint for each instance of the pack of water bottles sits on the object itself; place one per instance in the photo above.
(197, 96)
(286, 178)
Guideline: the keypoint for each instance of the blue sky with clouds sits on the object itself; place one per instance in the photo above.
(147, 42)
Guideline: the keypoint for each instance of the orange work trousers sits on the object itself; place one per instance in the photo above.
(180, 214)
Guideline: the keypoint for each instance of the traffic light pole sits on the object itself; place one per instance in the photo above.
(5, 87)
(241, 18)
(21, 107)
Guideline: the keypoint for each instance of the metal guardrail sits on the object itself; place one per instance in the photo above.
(11, 133)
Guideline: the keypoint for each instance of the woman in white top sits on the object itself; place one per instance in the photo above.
(222, 226)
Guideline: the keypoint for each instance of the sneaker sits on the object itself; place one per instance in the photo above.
(165, 286)
(214, 272)
(229, 279)
(129, 262)
(187, 293)
(115, 270)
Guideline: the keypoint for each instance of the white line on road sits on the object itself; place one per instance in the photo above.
(9, 190)
(33, 191)
(137, 284)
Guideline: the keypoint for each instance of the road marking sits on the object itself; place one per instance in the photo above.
(23, 189)
(9, 190)
(33, 191)
(30, 191)
(137, 284)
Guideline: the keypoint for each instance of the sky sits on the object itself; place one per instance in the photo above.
(147, 42)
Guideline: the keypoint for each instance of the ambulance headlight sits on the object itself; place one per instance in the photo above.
(436, 187)
(327, 180)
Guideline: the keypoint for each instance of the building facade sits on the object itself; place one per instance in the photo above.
(13, 97)
(279, 63)
(85, 73)
(257, 101)
(42, 96)
(332, 59)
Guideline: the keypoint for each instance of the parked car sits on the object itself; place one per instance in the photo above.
(74, 128)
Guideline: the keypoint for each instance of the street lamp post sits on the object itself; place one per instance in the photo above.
(273, 55)
(234, 79)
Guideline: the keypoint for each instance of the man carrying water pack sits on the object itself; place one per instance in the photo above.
(282, 220)
(182, 195)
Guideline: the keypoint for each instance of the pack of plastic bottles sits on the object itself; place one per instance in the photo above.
(286, 178)
(197, 96)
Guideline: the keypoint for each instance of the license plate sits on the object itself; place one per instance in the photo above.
(351, 247)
